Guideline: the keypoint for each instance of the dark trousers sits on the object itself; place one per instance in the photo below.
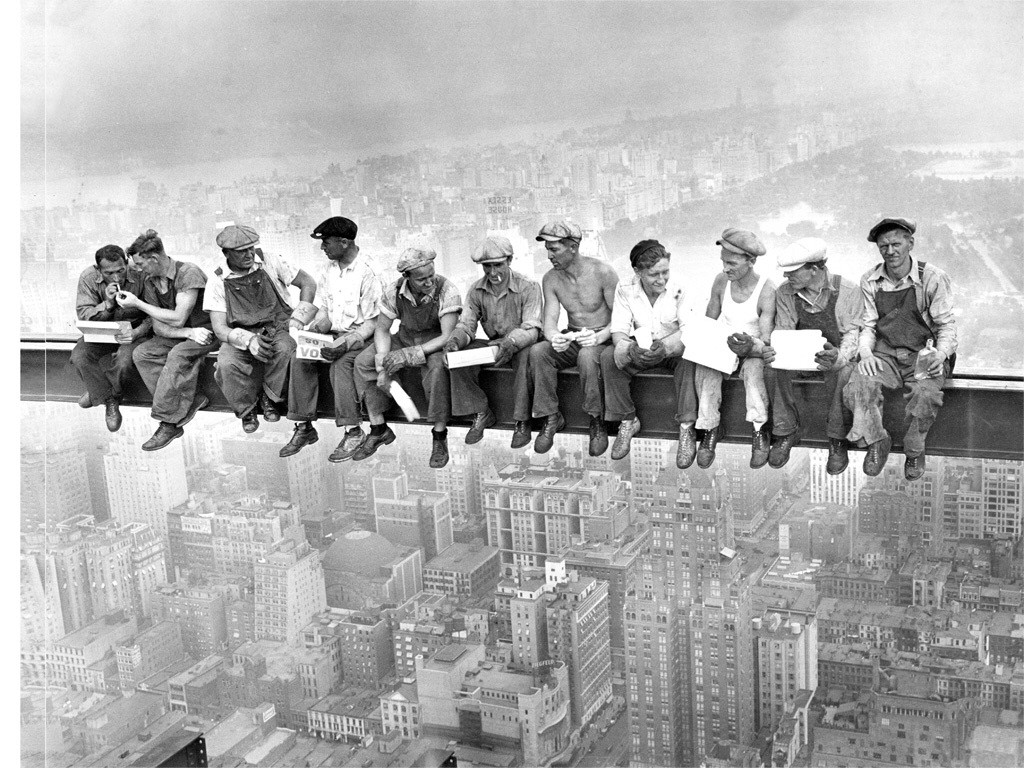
(785, 410)
(304, 389)
(170, 368)
(545, 364)
(863, 395)
(104, 367)
(467, 397)
(618, 400)
(433, 377)
(242, 378)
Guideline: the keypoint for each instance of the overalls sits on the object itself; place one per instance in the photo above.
(253, 303)
(901, 334)
(785, 419)
(170, 367)
(420, 323)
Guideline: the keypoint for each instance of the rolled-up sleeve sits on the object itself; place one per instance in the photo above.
(213, 296)
(470, 315)
(370, 292)
(622, 313)
(449, 301)
(533, 311)
(386, 306)
(785, 308)
(938, 290)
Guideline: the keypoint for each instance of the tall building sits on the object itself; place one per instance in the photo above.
(54, 475)
(785, 663)
(693, 563)
(647, 457)
(142, 487)
(364, 640)
(149, 652)
(301, 480)
(578, 635)
(198, 611)
(834, 489)
(289, 590)
(538, 510)
(412, 518)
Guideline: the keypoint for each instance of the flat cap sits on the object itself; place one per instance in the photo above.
(741, 241)
(805, 251)
(336, 226)
(493, 248)
(560, 230)
(891, 222)
(414, 258)
(237, 237)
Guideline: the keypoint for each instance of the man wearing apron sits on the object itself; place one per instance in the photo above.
(427, 306)
(251, 314)
(812, 298)
(745, 302)
(172, 295)
(906, 303)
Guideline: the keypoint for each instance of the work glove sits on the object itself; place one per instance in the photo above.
(404, 358)
(655, 355)
(621, 354)
(334, 353)
(454, 343)
(826, 358)
(260, 348)
(506, 349)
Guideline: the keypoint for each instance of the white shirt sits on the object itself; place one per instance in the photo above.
(349, 295)
(632, 309)
(743, 316)
(281, 273)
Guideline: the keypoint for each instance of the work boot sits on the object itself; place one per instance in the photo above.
(838, 458)
(439, 449)
(198, 403)
(913, 467)
(877, 455)
(521, 434)
(481, 422)
(269, 408)
(113, 415)
(598, 436)
(552, 424)
(627, 429)
(85, 401)
(778, 455)
(372, 443)
(759, 447)
(708, 444)
(354, 437)
(250, 422)
(687, 450)
(163, 435)
(304, 434)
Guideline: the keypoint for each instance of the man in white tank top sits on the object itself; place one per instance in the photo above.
(745, 301)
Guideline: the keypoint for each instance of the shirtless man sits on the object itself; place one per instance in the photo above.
(586, 288)
(745, 301)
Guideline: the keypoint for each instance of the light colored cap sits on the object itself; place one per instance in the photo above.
(741, 241)
(493, 248)
(237, 237)
(414, 258)
(804, 251)
(560, 230)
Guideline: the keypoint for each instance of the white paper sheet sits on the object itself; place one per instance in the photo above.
(795, 350)
(102, 331)
(467, 357)
(704, 343)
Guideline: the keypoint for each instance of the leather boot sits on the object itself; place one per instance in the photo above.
(838, 457)
(598, 436)
(687, 450)
(304, 434)
(708, 444)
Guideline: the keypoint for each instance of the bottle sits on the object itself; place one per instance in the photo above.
(924, 360)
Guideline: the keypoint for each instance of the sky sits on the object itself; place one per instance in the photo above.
(145, 73)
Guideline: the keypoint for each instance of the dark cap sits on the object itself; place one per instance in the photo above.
(891, 223)
(742, 242)
(336, 226)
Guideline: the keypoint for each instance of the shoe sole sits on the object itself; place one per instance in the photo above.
(177, 434)
(477, 438)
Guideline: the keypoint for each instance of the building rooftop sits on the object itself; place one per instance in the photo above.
(461, 558)
(362, 552)
(449, 654)
(494, 677)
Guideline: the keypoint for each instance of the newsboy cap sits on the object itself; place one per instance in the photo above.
(891, 222)
(493, 248)
(741, 241)
(560, 230)
(336, 226)
(237, 237)
(805, 251)
(414, 258)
